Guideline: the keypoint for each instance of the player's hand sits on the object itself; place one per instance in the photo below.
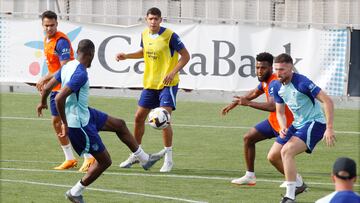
(329, 137)
(64, 130)
(226, 109)
(39, 109)
(40, 85)
(282, 133)
(120, 56)
(167, 80)
(241, 100)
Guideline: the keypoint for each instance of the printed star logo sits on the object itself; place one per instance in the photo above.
(34, 67)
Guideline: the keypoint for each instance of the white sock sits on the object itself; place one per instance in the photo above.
(250, 174)
(141, 155)
(299, 180)
(68, 152)
(77, 189)
(168, 154)
(290, 189)
(87, 156)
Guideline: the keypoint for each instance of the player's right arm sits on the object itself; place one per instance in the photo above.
(135, 55)
(281, 117)
(44, 94)
(60, 100)
(42, 81)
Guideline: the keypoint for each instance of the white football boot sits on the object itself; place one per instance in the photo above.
(245, 180)
(129, 161)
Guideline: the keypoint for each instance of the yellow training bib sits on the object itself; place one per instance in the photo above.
(158, 59)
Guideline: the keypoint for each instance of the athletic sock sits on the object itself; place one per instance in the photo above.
(68, 152)
(290, 189)
(77, 189)
(87, 156)
(141, 155)
(299, 180)
(168, 154)
(250, 174)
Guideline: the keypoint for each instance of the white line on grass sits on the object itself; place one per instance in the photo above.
(104, 190)
(161, 175)
(180, 125)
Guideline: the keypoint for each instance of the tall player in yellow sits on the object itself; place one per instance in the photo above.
(160, 48)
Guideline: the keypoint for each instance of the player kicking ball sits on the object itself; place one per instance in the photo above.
(82, 123)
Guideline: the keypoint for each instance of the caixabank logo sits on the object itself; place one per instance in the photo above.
(39, 66)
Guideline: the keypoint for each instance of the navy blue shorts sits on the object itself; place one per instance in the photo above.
(266, 130)
(311, 134)
(53, 109)
(154, 98)
(87, 139)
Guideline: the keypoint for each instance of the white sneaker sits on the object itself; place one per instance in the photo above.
(245, 180)
(167, 166)
(129, 161)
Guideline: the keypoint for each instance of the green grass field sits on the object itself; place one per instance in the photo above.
(207, 154)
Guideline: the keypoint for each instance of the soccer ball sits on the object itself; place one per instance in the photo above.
(159, 118)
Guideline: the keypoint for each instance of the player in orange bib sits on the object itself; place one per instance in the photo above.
(266, 129)
(58, 51)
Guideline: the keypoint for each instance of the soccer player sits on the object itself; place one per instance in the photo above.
(310, 125)
(344, 177)
(160, 48)
(58, 51)
(266, 129)
(82, 123)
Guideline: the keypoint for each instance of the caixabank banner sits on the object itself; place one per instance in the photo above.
(222, 56)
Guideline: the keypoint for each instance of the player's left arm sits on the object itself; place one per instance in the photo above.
(269, 105)
(176, 44)
(329, 135)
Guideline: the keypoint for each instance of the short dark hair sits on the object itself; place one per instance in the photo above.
(283, 58)
(86, 46)
(154, 11)
(49, 14)
(265, 57)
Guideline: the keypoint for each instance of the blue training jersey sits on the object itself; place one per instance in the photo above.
(74, 75)
(300, 96)
(340, 197)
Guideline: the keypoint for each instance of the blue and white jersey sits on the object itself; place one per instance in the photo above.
(300, 96)
(74, 75)
(340, 197)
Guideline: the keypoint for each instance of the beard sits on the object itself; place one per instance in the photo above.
(265, 77)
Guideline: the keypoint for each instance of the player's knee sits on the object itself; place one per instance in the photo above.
(271, 157)
(108, 163)
(248, 139)
(121, 123)
(139, 118)
(286, 151)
